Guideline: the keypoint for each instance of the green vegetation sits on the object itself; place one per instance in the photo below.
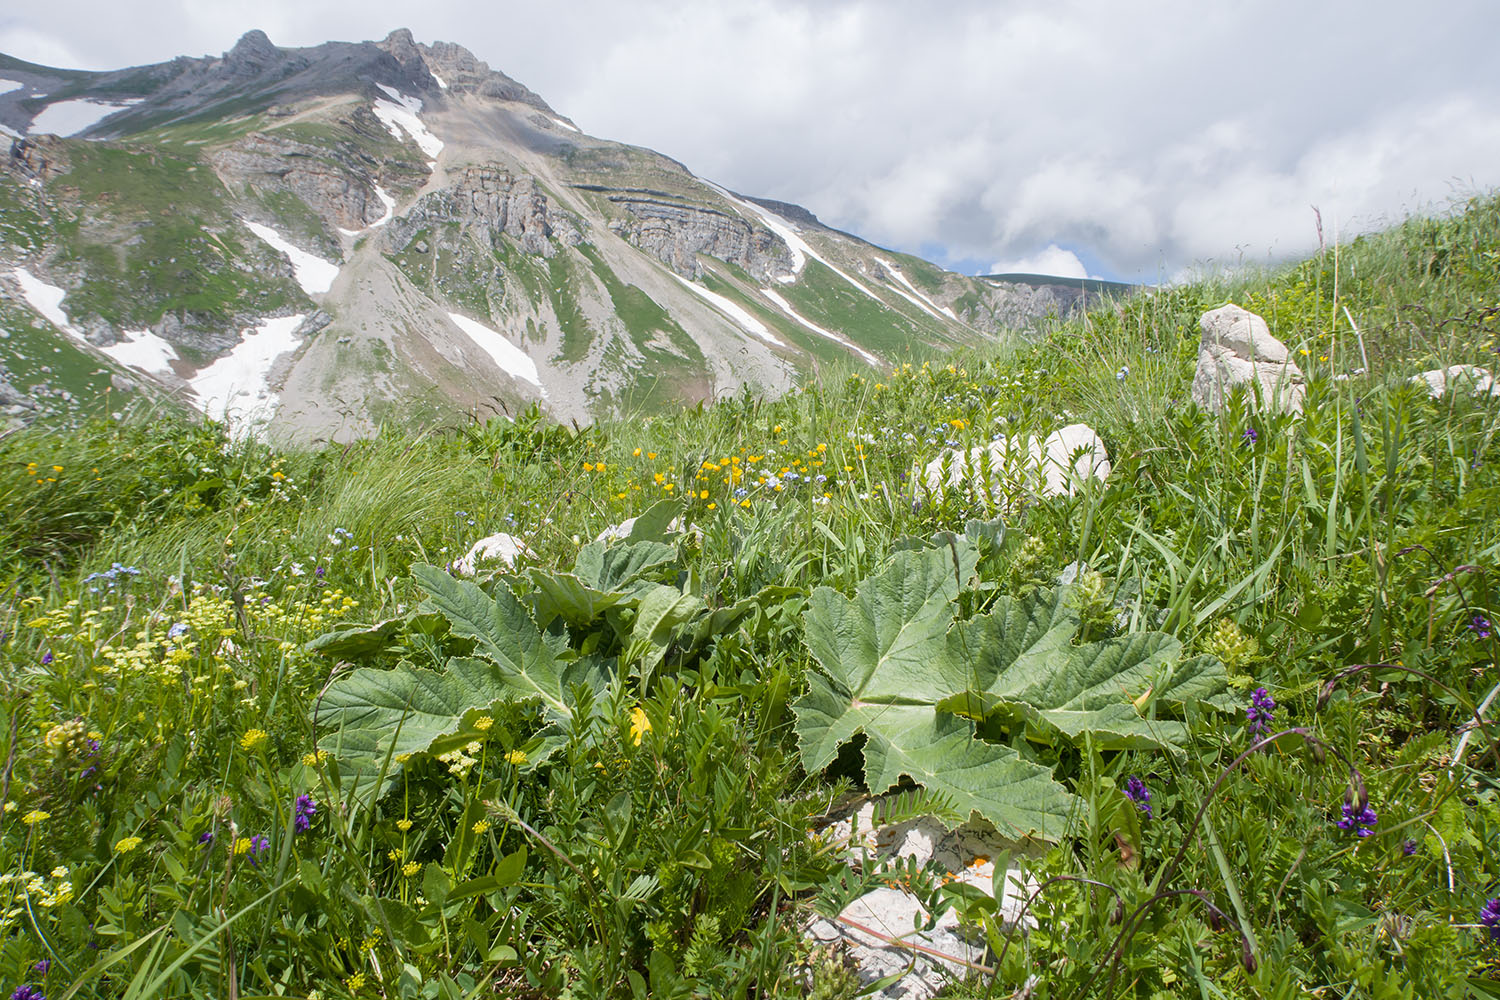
(263, 743)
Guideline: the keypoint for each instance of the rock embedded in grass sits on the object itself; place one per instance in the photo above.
(1237, 349)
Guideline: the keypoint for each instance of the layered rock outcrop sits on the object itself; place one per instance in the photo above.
(492, 200)
(675, 232)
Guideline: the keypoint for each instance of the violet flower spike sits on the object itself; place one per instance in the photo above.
(1360, 822)
(1137, 792)
(1260, 714)
(1489, 916)
(304, 810)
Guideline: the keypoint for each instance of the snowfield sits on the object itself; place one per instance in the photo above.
(742, 318)
(237, 387)
(786, 307)
(511, 359)
(893, 269)
(45, 299)
(144, 350)
(402, 121)
(6, 86)
(314, 274)
(66, 118)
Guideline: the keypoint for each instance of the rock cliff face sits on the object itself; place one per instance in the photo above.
(675, 233)
(490, 202)
(339, 187)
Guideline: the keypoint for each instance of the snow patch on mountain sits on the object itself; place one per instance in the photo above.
(731, 309)
(314, 274)
(786, 307)
(895, 271)
(237, 387)
(437, 78)
(401, 117)
(66, 118)
(570, 128)
(144, 350)
(795, 243)
(511, 359)
(45, 299)
(6, 86)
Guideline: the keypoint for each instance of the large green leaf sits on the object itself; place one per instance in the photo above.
(924, 690)
(378, 718)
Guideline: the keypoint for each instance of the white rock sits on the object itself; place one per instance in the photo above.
(1073, 454)
(1438, 380)
(1056, 466)
(1237, 349)
(501, 548)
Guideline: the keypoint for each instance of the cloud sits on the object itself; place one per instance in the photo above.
(1144, 137)
(1053, 260)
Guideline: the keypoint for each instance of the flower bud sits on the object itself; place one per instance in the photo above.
(1247, 959)
(1117, 916)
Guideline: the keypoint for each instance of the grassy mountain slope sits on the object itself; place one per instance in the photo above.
(659, 796)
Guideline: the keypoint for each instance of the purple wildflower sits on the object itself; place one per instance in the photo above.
(319, 572)
(28, 993)
(1259, 714)
(1137, 792)
(1480, 626)
(206, 838)
(46, 659)
(1409, 848)
(1250, 436)
(1490, 917)
(258, 844)
(304, 810)
(42, 966)
(1360, 822)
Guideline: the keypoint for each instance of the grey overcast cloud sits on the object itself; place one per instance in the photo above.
(1135, 141)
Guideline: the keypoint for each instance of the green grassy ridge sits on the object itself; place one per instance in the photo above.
(1287, 554)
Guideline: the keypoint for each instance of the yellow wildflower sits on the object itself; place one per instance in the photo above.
(253, 739)
(516, 758)
(481, 826)
(127, 844)
(411, 868)
(483, 723)
(639, 724)
(242, 845)
(403, 825)
(35, 816)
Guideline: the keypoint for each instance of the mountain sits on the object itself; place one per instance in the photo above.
(317, 241)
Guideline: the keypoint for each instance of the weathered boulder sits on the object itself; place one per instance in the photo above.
(1477, 380)
(1238, 349)
(500, 548)
(1057, 465)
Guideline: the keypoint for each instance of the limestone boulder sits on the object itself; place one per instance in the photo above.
(1057, 465)
(499, 549)
(1472, 378)
(1237, 349)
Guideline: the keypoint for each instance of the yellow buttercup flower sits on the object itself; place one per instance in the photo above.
(35, 816)
(639, 724)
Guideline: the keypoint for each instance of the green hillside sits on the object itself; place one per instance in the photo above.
(261, 743)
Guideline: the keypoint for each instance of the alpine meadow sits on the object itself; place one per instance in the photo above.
(1021, 659)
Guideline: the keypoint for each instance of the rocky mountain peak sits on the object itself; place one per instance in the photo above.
(253, 52)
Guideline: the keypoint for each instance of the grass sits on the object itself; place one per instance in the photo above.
(642, 830)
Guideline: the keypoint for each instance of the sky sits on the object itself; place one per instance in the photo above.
(1134, 141)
